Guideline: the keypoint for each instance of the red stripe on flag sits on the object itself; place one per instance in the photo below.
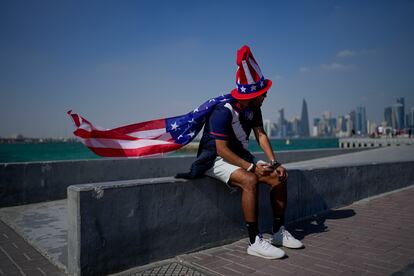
(144, 151)
(105, 134)
(75, 118)
(149, 125)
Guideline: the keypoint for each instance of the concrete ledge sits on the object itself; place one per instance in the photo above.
(117, 225)
(362, 142)
(23, 183)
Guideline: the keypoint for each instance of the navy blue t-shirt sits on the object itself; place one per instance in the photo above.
(228, 121)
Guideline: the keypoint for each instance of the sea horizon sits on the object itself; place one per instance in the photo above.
(37, 152)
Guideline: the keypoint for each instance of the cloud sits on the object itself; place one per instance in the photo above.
(351, 53)
(328, 67)
(278, 77)
(337, 67)
(346, 53)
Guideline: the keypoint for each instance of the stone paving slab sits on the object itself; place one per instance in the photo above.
(17, 257)
(44, 225)
(371, 237)
(165, 268)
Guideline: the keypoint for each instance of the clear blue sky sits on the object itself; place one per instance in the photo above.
(121, 62)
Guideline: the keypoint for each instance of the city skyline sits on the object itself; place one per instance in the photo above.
(124, 62)
(394, 116)
(397, 118)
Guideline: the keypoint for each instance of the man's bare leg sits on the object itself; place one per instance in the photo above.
(247, 181)
(278, 198)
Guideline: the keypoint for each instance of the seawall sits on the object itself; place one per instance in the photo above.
(31, 182)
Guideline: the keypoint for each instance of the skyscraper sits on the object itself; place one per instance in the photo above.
(388, 116)
(267, 127)
(281, 117)
(349, 126)
(282, 123)
(352, 124)
(304, 120)
(401, 101)
(315, 131)
(341, 124)
(361, 120)
(295, 126)
(397, 116)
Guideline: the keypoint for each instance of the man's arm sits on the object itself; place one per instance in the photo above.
(264, 143)
(228, 155)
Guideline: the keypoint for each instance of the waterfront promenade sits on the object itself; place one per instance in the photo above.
(369, 237)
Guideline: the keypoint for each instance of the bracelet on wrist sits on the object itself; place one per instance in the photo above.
(251, 168)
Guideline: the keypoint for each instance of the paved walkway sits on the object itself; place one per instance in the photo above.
(371, 237)
(17, 257)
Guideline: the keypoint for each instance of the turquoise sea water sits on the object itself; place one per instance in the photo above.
(75, 151)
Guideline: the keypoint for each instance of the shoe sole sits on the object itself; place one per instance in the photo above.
(291, 247)
(253, 253)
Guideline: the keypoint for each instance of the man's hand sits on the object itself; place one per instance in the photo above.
(263, 169)
(282, 173)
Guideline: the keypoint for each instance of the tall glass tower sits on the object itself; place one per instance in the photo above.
(361, 120)
(401, 101)
(304, 120)
(282, 123)
(388, 116)
(397, 116)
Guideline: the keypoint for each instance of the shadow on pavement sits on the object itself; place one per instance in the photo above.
(316, 223)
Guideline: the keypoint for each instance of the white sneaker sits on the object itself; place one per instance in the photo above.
(263, 248)
(283, 237)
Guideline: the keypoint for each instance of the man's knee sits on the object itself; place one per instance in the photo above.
(249, 182)
(276, 180)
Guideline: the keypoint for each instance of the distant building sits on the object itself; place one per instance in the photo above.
(361, 120)
(352, 117)
(315, 130)
(401, 101)
(282, 123)
(388, 115)
(371, 127)
(328, 126)
(340, 130)
(295, 127)
(407, 120)
(341, 124)
(267, 125)
(349, 124)
(397, 116)
(274, 130)
(304, 121)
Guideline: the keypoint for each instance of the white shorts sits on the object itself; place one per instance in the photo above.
(222, 170)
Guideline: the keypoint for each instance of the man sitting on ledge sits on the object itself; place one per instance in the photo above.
(223, 155)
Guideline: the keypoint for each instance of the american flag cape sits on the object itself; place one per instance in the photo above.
(147, 138)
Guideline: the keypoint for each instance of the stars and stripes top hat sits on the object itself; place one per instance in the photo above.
(249, 78)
